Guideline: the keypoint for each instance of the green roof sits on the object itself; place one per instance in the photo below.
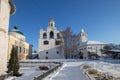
(19, 32)
(16, 30)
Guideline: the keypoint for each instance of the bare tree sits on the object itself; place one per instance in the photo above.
(70, 40)
(111, 47)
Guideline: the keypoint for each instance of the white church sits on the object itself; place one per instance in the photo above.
(88, 47)
(50, 43)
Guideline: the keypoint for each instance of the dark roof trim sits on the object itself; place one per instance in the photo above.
(113, 51)
(13, 8)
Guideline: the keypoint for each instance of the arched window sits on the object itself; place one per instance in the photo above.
(44, 36)
(51, 35)
(58, 36)
(51, 24)
(46, 42)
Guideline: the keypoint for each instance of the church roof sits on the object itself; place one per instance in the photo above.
(114, 51)
(94, 42)
(16, 30)
(13, 9)
(51, 19)
(19, 32)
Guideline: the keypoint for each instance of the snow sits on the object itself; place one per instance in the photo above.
(105, 67)
(71, 69)
(29, 73)
(10, 78)
(94, 42)
(53, 60)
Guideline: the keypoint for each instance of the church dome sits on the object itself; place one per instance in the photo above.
(82, 30)
(16, 30)
(51, 20)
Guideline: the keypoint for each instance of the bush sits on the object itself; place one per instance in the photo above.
(92, 71)
(13, 65)
(43, 67)
(104, 76)
(85, 66)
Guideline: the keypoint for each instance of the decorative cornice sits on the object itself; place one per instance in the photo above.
(13, 8)
(2, 30)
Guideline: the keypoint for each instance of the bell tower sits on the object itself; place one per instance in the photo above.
(83, 36)
(51, 23)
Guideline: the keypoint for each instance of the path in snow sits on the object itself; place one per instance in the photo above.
(71, 71)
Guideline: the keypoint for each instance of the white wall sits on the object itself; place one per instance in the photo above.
(4, 23)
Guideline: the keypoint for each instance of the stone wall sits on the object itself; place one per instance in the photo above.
(4, 23)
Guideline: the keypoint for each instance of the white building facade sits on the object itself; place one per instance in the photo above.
(50, 43)
(89, 47)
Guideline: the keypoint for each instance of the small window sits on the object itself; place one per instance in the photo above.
(24, 50)
(57, 42)
(57, 52)
(46, 42)
(20, 49)
(46, 57)
(58, 36)
(46, 52)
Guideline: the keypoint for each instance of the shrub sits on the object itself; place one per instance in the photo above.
(85, 66)
(92, 71)
(104, 76)
(13, 65)
(43, 67)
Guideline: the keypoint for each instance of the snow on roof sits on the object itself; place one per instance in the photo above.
(116, 51)
(94, 42)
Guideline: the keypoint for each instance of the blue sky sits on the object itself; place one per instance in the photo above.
(99, 18)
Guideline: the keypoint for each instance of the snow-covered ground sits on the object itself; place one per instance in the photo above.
(29, 73)
(71, 69)
(53, 60)
(109, 68)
